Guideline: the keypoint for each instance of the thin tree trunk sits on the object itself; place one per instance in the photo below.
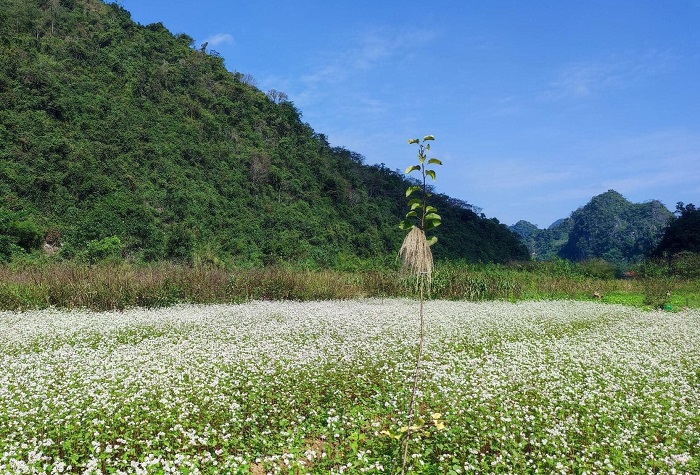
(416, 378)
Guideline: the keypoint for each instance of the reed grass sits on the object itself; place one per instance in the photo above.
(120, 286)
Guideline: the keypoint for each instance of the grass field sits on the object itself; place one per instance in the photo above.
(294, 388)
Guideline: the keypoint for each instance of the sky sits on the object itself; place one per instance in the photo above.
(536, 106)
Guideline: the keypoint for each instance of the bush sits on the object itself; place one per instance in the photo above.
(686, 265)
(598, 268)
(102, 249)
(651, 268)
(25, 234)
(28, 234)
(657, 291)
(7, 247)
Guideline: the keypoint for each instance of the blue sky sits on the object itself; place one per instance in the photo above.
(536, 106)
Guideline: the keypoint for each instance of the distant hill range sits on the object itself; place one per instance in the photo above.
(115, 135)
(608, 227)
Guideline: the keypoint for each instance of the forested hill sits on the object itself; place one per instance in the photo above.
(118, 134)
(611, 227)
(608, 227)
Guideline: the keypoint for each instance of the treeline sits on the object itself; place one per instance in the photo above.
(122, 141)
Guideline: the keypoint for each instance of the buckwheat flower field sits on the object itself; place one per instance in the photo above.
(300, 388)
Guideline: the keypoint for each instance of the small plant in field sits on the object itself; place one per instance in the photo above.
(657, 291)
(106, 248)
(417, 257)
(420, 427)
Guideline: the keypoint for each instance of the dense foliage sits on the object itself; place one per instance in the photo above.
(118, 139)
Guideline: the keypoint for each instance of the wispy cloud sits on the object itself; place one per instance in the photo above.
(512, 174)
(363, 52)
(666, 158)
(587, 78)
(220, 39)
(344, 80)
(582, 79)
(659, 165)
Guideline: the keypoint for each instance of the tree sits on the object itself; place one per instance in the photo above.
(683, 234)
(277, 96)
(682, 208)
(53, 8)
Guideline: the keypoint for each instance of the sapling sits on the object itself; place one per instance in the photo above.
(417, 257)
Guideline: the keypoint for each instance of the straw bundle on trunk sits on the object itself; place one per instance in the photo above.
(416, 255)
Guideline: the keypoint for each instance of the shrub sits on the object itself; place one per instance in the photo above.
(686, 264)
(598, 268)
(24, 234)
(101, 249)
(657, 291)
(28, 234)
(7, 247)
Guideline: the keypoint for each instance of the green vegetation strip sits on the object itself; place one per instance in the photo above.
(308, 387)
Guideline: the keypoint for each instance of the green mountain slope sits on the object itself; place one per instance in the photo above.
(608, 227)
(611, 227)
(113, 129)
(544, 244)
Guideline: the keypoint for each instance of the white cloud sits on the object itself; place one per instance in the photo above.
(665, 159)
(342, 80)
(220, 39)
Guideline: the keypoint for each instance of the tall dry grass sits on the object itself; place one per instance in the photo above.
(117, 287)
(120, 286)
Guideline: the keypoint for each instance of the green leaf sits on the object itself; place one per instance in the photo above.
(405, 225)
(414, 201)
(430, 209)
(433, 217)
(432, 241)
(416, 205)
(410, 141)
(430, 173)
(411, 214)
(428, 137)
(412, 168)
(411, 189)
(431, 225)
(435, 161)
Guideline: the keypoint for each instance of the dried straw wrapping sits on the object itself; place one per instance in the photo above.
(415, 254)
